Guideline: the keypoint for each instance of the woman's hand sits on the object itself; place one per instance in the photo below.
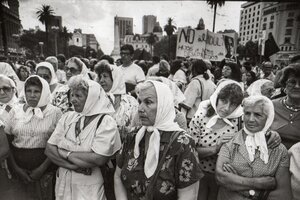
(23, 175)
(228, 168)
(62, 153)
(274, 139)
(224, 139)
(266, 182)
(36, 174)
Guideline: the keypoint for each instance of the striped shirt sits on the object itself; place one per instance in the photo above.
(36, 132)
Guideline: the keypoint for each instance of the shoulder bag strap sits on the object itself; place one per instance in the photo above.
(149, 192)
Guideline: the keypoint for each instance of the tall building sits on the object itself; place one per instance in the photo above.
(10, 15)
(250, 20)
(125, 26)
(148, 23)
(55, 21)
(282, 19)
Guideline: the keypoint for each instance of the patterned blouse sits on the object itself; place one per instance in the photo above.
(180, 169)
(60, 98)
(207, 137)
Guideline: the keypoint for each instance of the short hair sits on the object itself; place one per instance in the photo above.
(235, 71)
(79, 82)
(253, 76)
(175, 66)
(295, 58)
(256, 100)
(128, 47)
(108, 58)
(155, 59)
(33, 81)
(27, 69)
(61, 57)
(103, 66)
(291, 69)
(165, 57)
(199, 67)
(77, 61)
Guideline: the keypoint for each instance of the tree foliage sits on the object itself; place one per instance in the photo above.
(214, 4)
(161, 47)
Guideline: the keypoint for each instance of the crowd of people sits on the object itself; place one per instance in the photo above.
(192, 129)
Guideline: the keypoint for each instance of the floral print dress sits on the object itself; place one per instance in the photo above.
(180, 169)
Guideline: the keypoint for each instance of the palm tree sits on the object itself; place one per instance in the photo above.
(214, 4)
(44, 15)
(3, 28)
(151, 40)
(170, 29)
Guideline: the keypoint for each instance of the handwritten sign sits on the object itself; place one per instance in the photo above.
(200, 44)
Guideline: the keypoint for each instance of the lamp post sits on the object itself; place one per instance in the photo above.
(55, 30)
(41, 45)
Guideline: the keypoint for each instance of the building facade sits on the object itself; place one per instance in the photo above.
(10, 16)
(84, 40)
(148, 23)
(125, 26)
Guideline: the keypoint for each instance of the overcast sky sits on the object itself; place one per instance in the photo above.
(97, 17)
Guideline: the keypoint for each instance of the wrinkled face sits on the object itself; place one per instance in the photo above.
(254, 117)
(105, 81)
(6, 91)
(225, 107)
(147, 106)
(78, 99)
(44, 73)
(226, 71)
(71, 70)
(293, 87)
(33, 95)
(267, 89)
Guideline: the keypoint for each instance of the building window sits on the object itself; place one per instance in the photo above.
(77, 39)
(252, 25)
(256, 30)
(258, 6)
(265, 19)
(257, 25)
(253, 14)
(249, 21)
(246, 11)
(287, 40)
(251, 31)
(249, 15)
(250, 10)
(264, 26)
(253, 20)
(255, 36)
(244, 33)
(248, 27)
(245, 28)
(245, 16)
(241, 12)
(257, 19)
(254, 8)
(289, 22)
(247, 32)
(288, 32)
(271, 25)
(272, 17)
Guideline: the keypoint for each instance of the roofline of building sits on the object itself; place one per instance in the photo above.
(249, 3)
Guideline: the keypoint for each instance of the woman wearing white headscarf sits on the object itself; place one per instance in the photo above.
(159, 158)
(294, 153)
(246, 167)
(112, 81)
(83, 140)
(261, 87)
(29, 127)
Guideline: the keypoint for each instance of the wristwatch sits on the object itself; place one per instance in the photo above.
(68, 154)
(251, 193)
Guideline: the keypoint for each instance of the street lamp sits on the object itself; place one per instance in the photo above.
(55, 30)
(41, 45)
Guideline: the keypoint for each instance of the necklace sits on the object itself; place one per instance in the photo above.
(290, 107)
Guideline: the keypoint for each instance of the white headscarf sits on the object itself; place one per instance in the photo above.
(177, 93)
(96, 102)
(258, 140)
(51, 69)
(255, 87)
(213, 101)
(14, 99)
(44, 100)
(164, 121)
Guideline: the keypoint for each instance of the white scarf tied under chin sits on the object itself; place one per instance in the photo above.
(258, 140)
(44, 100)
(213, 101)
(164, 121)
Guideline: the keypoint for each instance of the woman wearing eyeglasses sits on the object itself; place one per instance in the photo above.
(287, 109)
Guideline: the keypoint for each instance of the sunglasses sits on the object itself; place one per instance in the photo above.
(6, 89)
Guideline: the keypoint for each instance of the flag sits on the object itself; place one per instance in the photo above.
(270, 46)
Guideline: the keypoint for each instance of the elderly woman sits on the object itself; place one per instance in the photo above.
(74, 66)
(29, 127)
(246, 167)
(83, 140)
(287, 109)
(111, 79)
(199, 89)
(263, 87)
(158, 160)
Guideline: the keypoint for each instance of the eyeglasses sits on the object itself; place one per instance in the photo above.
(72, 69)
(292, 82)
(6, 89)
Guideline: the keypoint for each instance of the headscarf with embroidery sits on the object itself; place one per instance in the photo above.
(164, 121)
(213, 102)
(258, 140)
(43, 101)
(51, 69)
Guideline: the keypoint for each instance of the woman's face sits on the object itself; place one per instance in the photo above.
(225, 107)
(71, 70)
(24, 74)
(78, 99)
(226, 71)
(254, 118)
(6, 91)
(147, 106)
(33, 95)
(248, 77)
(267, 89)
(44, 73)
(105, 81)
(293, 87)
